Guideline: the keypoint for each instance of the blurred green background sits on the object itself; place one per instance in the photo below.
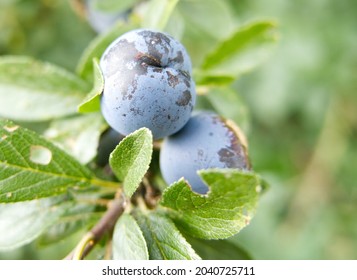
(302, 104)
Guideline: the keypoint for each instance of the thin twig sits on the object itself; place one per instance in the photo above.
(151, 194)
(106, 223)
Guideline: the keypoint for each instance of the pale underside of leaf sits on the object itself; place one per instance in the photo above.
(35, 91)
(128, 240)
(78, 135)
(22, 222)
(78, 217)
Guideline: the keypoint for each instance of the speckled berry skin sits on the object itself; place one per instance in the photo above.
(147, 83)
(206, 141)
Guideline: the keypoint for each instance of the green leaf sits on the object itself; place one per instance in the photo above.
(249, 46)
(206, 79)
(35, 91)
(164, 240)
(264, 184)
(113, 5)
(175, 25)
(92, 101)
(77, 217)
(218, 249)
(32, 168)
(78, 135)
(204, 26)
(158, 13)
(22, 222)
(131, 159)
(128, 240)
(228, 104)
(224, 211)
(212, 20)
(97, 47)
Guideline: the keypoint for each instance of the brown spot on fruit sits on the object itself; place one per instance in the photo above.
(172, 79)
(227, 157)
(179, 57)
(147, 59)
(184, 99)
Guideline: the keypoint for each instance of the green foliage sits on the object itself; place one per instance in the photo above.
(34, 91)
(131, 158)
(158, 13)
(218, 249)
(77, 217)
(195, 15)
(32, 167)
(50, 185)
(244, 50)
(92, 100)
(224, 211)
(302, 103)
(23, 222)
(164, 240)
(113, 5)
(229, 104)
(128, 240)
(77, 135)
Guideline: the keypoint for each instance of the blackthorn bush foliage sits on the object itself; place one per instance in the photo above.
(144, 142)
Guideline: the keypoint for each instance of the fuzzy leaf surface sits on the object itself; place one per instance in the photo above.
(131, 159)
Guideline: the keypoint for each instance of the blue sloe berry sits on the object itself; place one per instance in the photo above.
(147, 83)
(206, 141)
